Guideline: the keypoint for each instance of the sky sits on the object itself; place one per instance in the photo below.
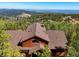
(40, 5)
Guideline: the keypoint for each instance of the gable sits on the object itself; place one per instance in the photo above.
(35, 30)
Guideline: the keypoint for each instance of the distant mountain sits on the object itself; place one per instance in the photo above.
(16, 12)
(57, 11)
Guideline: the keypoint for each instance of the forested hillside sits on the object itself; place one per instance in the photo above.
(69, 23)
(12, 12)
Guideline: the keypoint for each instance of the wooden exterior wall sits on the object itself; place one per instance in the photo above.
(43, 43)
(61, 54)
(29, 43)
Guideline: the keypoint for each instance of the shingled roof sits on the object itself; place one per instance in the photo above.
(57, 39)
(15, 37)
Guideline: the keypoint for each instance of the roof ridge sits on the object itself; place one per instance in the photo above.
(35, 28)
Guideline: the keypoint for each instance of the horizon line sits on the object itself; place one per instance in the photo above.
(38, 9)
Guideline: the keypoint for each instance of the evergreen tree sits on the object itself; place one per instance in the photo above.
(45, 52)
(5, 46)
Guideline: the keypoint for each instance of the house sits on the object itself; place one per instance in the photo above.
(35, 37)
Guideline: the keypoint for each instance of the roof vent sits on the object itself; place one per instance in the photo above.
(28, 31)
(42, 25)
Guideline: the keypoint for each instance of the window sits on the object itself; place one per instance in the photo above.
(35, 40)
